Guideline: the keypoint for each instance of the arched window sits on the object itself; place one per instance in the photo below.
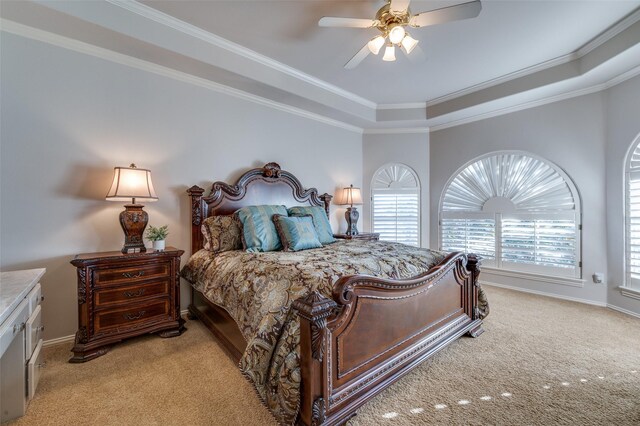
(518, 211)
(632, 215)
(395, 204)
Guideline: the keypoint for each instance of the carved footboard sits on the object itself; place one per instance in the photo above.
(376, 330)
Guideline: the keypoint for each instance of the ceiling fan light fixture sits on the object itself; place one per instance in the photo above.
(389, 53)
(409, 43)
(375, 44)
(396, 34)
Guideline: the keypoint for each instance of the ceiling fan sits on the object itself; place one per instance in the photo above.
(392, 19)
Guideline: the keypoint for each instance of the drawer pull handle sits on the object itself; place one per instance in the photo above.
(42, 298)
(39, 329)
(17, 328)
(130, 275)
(132, 317)
(138, 293)
(41, 365)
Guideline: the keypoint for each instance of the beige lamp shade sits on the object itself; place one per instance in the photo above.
(131, 184)
(351, 196)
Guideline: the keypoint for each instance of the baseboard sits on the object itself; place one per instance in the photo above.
(624, 311)
(69, 339)
(542, 293)
(58, 341)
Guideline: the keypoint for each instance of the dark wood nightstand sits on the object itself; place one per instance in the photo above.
(125, 295)
(369, 236)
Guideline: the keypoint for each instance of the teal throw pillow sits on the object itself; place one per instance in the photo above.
(320, 221)
(258, 231)
(296, 233)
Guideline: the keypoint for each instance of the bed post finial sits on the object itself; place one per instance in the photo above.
(326, 199)
(479, 299)
(197, 212)
(473, 266)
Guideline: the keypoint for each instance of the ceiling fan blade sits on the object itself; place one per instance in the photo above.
(447, 14)
(399, 6)
(417, 55)
(357, 58)
(329, 21)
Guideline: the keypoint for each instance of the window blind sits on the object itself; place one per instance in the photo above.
(519, 211)
(541, 242)
(470, 236)
(396, 216)
(633, 228)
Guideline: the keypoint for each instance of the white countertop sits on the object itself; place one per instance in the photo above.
(14, 286)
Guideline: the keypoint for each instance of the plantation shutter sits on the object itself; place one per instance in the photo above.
(538, 241)
(395, 199)
(396, 216)
(517, 211)
(470, 236)
(633, 220)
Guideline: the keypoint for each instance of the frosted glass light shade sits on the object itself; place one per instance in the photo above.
(375, 44)
(409, 43)
(389, 53)
(396, 34)
(130, 183)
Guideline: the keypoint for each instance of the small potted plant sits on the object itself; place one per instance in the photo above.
(157, 236)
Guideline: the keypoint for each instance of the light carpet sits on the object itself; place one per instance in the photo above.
(541, 361)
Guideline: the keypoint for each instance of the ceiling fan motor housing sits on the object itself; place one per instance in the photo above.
(387, 19)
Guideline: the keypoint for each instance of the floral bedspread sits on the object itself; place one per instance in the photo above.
(257, 289)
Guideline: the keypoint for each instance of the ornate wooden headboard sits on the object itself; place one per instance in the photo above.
(265, 185)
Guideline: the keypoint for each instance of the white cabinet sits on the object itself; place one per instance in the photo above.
(20, 340)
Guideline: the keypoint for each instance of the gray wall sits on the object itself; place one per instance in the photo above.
(411, 149)
(68, 119)
(623, 127)
(569, 133)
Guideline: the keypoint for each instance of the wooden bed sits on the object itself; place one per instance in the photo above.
(362, 340)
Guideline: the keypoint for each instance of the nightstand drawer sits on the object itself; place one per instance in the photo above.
(131, 316)
(130, 273)
(132, 293)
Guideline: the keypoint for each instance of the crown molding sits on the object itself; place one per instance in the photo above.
(408, 105)
(504, 79)
(435, 124)
(539, 102)
(191, 30)
(598, 41)
(396, 131)
(609, 33)
(119, 58)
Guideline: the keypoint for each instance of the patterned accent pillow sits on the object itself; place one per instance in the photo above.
(258, 231)
(320, 221)
(221, 233)
(296, 233)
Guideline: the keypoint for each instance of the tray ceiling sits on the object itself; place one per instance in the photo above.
(508, 36)
(515, 55)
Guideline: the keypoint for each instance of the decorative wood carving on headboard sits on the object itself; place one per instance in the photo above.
(265, 185)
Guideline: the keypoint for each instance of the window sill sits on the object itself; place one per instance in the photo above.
(633, 293)
(570, 281)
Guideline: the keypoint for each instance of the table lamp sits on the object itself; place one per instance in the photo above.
(132, 183)
(351, 196)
